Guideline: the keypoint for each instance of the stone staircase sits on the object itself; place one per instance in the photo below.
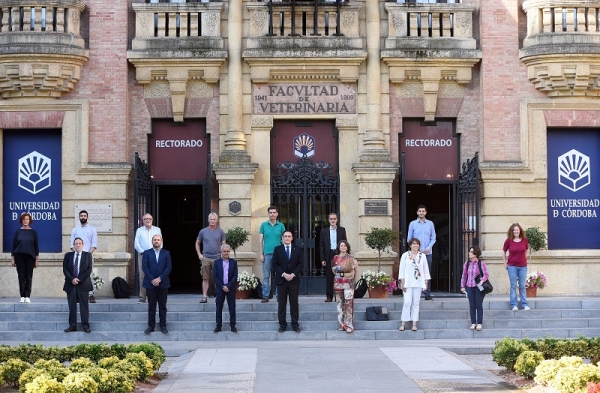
(187, 320)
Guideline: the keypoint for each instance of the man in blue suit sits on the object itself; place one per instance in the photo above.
(287, 262)
(225, 275)
(157, 266)
(77, 268)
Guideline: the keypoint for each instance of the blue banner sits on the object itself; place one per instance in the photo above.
(32, 183)
(573, 189)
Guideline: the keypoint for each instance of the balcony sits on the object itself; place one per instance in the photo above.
(562, 47)
(177, 50)
(41, 49)
(430, 50)
(323, 35)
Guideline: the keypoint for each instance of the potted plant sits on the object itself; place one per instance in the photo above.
(245, 283)
(380, 239)
(536, 239)
(379, 283)
(236, 237)
(535, 280)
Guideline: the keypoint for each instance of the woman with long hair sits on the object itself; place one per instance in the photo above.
(514, 256)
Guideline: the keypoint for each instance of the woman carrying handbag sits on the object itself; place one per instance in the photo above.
(474, 274)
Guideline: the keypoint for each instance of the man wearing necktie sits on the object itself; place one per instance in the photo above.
(156, 263)
(287, 262)
(77, 268)
(225, 276)
(329, 239)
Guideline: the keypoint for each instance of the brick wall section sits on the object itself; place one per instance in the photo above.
(566, 118)
(104, 80)
(18, 120)
(504, 79)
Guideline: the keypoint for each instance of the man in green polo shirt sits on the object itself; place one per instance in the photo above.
(271, 232)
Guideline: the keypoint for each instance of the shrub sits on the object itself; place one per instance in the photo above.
(119, 350)
(155, 352)
(44, 384)
(80, 383)
(574, 379)
(81, 364)
(547, 370)
(546, 346)
(109, 362)
(29, 353)
(93, 351)
(141, 361)
(132, 371)
(593, 387)
(527, 362)
(29, 376)
(506, 352)
(12, 370)
(114, 381)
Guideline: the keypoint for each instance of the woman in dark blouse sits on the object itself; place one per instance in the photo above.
(25, 255)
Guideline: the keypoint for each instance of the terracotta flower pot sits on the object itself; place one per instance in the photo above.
(378, 292)
(531, 292)
(242, 294)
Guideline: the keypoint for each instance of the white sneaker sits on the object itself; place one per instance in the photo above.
(479, 327)
(526, 308)
(515, 308)
(22, 300)
(27, 300)
(472, 327)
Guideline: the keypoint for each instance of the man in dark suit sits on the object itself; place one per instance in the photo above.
(77, 267)
(225, 275)
(157, 266)
(287, 262)
(330, 238)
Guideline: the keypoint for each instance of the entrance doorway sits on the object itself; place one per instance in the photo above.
(180, 215)
(439, 199)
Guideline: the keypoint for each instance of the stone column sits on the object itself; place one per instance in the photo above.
(235, 140)
(374, 143)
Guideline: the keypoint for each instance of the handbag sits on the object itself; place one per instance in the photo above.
(361, 288)
(376, 313)
(487, 285)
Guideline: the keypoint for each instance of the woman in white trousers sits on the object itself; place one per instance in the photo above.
(413, 276)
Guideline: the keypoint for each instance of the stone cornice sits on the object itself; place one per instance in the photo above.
(430, 73)
(178, 73)
(264, 70)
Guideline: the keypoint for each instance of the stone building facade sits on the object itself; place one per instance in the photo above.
(365, 108)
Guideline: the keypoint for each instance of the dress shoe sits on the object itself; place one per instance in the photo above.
(328, 300)
(281, 329)
(87, 330)
(297, 329)
(265, 300)
(70, 329)
(148, 330)
(234, 330)
(92, 299)
(217, 329)
(428, 298)
(164, 330)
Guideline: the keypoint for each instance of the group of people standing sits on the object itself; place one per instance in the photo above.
(279, 255)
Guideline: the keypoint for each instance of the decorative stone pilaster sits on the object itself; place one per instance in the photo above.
(374, 187)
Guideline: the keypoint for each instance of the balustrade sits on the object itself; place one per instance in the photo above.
(38, 16)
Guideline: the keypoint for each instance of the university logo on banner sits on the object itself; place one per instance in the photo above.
(32, 184)
(573, 189)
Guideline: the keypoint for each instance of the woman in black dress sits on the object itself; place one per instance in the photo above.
(25, 255)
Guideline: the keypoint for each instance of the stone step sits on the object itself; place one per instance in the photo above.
(125, 320)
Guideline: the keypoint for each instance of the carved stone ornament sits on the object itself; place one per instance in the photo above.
(262, 121)
(235, 208)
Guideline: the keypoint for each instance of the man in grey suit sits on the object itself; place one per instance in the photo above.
(77, 268)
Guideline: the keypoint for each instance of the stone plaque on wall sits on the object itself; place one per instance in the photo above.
(99, 215)
(376, 208)
(303, 98)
